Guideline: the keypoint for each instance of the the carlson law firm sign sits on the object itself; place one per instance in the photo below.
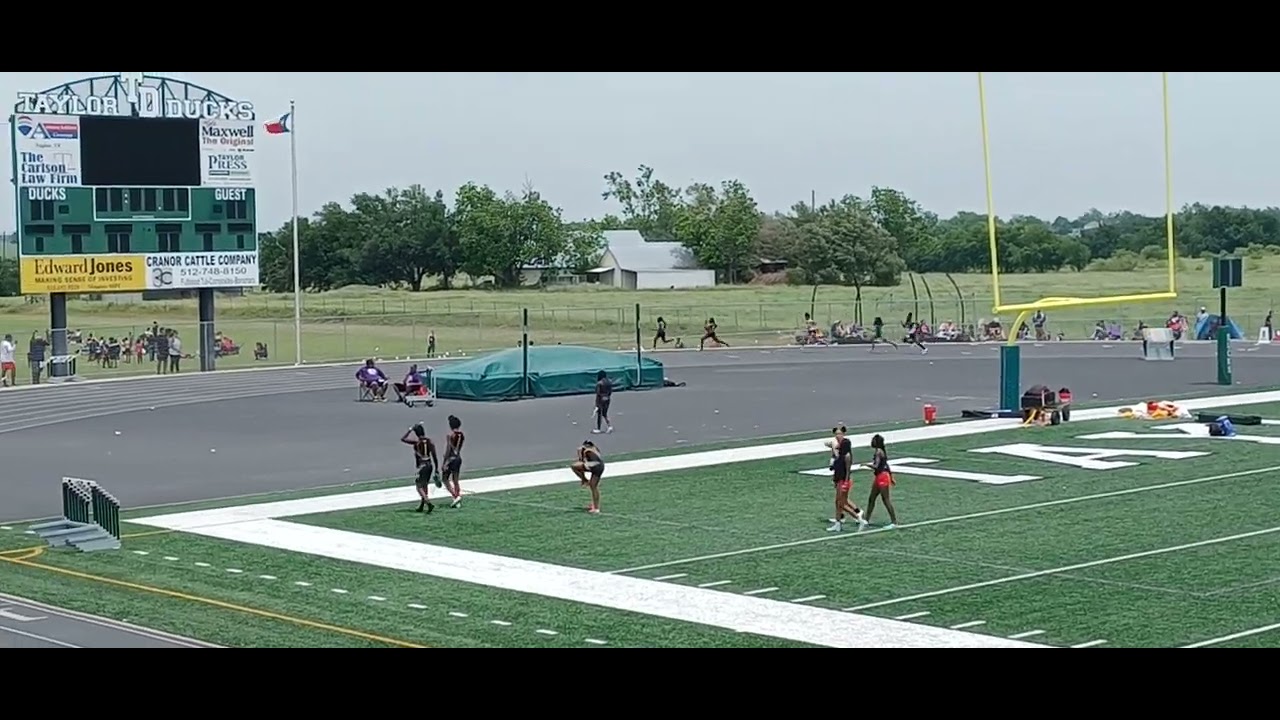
(83, 274)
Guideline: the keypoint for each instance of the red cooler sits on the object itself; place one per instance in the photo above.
(930, 414)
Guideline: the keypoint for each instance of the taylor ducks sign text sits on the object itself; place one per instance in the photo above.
(142, 101)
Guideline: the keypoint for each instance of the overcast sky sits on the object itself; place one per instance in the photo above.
(1061, 142)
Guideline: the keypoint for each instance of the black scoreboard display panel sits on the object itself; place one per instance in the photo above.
(129, 152)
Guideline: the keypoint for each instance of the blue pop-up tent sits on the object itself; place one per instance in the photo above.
(1207, 327)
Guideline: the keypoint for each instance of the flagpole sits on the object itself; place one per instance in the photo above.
(297, 266)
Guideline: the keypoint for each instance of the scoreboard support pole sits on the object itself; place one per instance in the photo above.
(58, 336)
(208, 346)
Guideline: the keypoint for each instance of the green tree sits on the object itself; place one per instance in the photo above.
(9, 286)
(407, 236)
(648, 205)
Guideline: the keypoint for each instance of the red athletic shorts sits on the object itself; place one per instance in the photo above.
(884, 480)
(8, 367)
(844, 485)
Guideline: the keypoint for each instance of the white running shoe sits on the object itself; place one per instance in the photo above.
(457, 502)
(595, 431)
(862, 522)
(836, 527)
(610, 430)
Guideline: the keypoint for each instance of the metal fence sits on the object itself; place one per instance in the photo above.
(249, 341)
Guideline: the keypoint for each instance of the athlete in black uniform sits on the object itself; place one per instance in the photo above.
(425, 459)
(877, 337)
(842, 447)
(453, 460)
(879, 466)
(661, 334)
(589, 467)
(604, 396)
(913, 334)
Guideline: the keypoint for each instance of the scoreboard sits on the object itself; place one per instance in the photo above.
(123, 203)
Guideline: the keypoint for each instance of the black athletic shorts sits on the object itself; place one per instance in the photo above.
(453, 465)
(839, 473)
(425, 471)
(596, 471)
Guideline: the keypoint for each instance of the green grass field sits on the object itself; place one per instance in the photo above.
(1160, 552)
(359, 322)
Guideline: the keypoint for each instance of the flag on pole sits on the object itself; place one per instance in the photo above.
(281, 125)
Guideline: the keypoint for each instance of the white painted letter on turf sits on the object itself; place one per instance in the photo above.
(1084, 458)
(1190, 430)
(907, 466)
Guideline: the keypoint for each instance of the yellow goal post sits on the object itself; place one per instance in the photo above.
(1024, 309)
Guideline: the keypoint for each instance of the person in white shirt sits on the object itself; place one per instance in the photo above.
(8, 370)
(175, 351)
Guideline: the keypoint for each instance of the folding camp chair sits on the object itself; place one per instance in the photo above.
(366, 394)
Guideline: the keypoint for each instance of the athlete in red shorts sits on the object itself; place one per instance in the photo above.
(840, 468)
(883, 481)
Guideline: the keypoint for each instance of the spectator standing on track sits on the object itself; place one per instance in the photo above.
(8, 368)
(175, 351)
(431, 344)
(160, 348)
(37, 349)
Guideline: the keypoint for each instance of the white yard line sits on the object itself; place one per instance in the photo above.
(1233, 636)
(950, 519)
(1027, 634)
(713, 608)
(628, 468)
(1065, 569)
(912, 616)
(967, 625)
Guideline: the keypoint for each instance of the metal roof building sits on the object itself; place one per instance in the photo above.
(632, 263)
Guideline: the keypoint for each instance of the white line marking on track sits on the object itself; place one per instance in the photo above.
(547, 632)
(718, 583)
(29, 532)
(268, 577)
(1066, 569)
(594, 641)
(810, 598)
(912, 616)
(1027, 634)
(951, 519)
(416, 606)
(235, 571)
(141, 552)
(458, 615)
(203, 565)
(376, 598)
(301, 583)
(500, 623)
(5, 527)
(677, 576)
(1091, 643)
(41, 638)
(171, 558)
(1233, 636)
(761, 591)
(338, 591)
(966, 625)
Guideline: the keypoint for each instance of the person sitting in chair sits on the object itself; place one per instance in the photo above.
(373, 379)
(413, 384)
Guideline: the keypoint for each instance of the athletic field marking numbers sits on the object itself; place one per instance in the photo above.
(1084, 458)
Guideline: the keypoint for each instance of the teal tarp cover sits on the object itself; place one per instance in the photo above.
(553, 370)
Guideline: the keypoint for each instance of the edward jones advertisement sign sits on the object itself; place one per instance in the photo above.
(83, 274)
(135, 273)
(227, 153)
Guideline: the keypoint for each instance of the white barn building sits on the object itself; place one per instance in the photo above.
(632, 263)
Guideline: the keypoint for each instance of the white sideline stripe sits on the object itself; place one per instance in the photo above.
(951, 519)
(1233, 636)
(1066, 569)
(717, 583)
(1091, 643)
(759, 616)
(761, 591)
(963, 626)
(626, 468)
(677, 576)
(811, 598)
(1027, 634)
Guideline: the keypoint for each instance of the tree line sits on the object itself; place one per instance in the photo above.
(407, 237)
